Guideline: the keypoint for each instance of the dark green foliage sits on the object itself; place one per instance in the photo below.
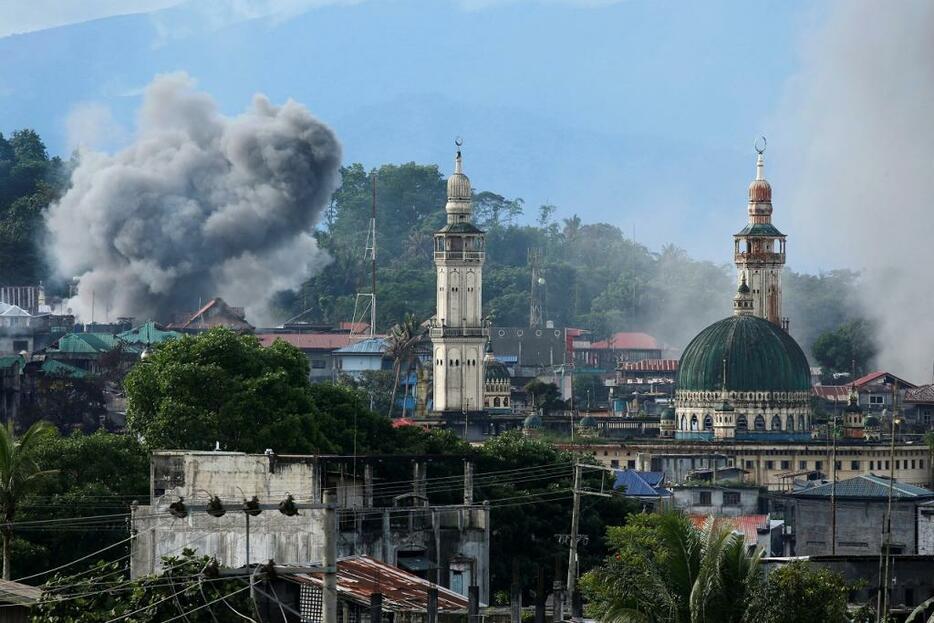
(544, 396)
(29, 182)
(106, 594)
(849, 347)
(800, 593)
(98, 474)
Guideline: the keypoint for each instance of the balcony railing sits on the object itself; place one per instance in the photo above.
(439, 331)
(468, 256)
(772, 258)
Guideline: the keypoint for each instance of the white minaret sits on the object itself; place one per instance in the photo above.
(458, 334)
(759, 250)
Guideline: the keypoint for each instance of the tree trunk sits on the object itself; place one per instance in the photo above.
(395, 386)
(6, 553)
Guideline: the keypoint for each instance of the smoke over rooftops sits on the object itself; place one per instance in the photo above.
(198, 205)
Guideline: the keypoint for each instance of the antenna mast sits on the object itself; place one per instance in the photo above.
(369, 253)
(536, 312)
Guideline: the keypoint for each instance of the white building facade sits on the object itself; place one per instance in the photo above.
(458, 331)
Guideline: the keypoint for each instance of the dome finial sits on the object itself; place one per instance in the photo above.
(760, 159)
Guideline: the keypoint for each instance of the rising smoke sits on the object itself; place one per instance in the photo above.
(860, 119)
(198, 205)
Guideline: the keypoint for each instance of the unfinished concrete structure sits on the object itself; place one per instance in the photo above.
(392, 522)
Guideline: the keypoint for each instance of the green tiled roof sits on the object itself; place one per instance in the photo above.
(760, 229)
(460, 228)
(85, 343)
(8, 361)
(148, 333)
(496, 371)
(759, 355)
(865, 486)
(59, 368)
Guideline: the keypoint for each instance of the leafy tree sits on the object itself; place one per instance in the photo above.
(20, 473)
(662, 569)
(849, 346)
(402, 343)
(186, 587)
(544, 396)
(226, 388)
(800, 593)
(95, 474)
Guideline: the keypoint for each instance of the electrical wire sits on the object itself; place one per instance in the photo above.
(68, 564)
(222, 598)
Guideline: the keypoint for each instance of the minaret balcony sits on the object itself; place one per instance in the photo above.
(460, 256)
(444, 331)
(763, 257)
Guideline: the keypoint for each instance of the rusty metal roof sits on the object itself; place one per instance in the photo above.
(359, 577)
(650, 365)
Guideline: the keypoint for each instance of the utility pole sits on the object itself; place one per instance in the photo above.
(575, 524)
(373, 257)
(329, 592)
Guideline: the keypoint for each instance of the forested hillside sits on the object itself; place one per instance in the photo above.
(595, 277)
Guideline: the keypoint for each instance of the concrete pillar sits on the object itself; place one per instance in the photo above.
(376, 608)
(432, 604)
(468, 483)
(329, 591)
(418, 479)
(368, 485)
(473, 604)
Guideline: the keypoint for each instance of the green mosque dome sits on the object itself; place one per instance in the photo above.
(533, 421)
(588, 421)
(668, 414)
(759, 356)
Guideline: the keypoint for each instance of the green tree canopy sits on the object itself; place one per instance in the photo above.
(800, 593)
(851, 346)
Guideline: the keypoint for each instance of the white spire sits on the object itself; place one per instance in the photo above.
(760, 165)
(458, 168)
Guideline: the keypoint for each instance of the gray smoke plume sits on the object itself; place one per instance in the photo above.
(199, 205)
(859, 119)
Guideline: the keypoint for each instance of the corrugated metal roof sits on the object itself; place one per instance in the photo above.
(873, 376)
(19, 594)
(85, 343)
(148, 333)
(359, 577)
(640, 484)
(372, 346)
(836, 393)
(58, 368)
(650, 365)
(864, 486)
(747, 525)
(925, 393)
(8, 361)
(309, 341)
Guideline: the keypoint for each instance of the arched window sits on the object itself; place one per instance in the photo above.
(496, 402)
(708, 423)
(802, 426)
(760, 423)
(693, 422)
(684, 423)
(790, 423)
(776, 423)
(741, 423)
(505, 401)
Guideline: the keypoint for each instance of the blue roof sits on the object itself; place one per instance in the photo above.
(370, 346)
(864, 486)
(640, 484)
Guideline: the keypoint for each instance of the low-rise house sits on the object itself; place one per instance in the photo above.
(361, 356)
(215, 313)
(318, 347)
(724, 499)
(758, 531)
(646, 487)
(861, 505)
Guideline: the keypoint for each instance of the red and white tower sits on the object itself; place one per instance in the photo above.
(759, 250)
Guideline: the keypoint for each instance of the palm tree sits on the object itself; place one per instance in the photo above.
(19, 473)
(686, 575)
(402, 342)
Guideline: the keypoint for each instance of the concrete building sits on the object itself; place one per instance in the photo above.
(318, 347)
(721, 500)
(458, 332)
(773, 465)
(362, 356)
(400, 528)
(861, 506)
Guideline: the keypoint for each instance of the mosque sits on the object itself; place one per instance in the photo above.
(745, 378)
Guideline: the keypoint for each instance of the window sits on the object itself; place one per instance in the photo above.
(703, 498)
(776, 423)
(802, 464)
(872, 465)
(898, 464)
(760, 423)
(769, 465)
(877, 400)
(786, 464)
(731, 498)
(631, 464)
(886, 465)
(319, 364)
(708, 423)
(838, 465)
(20, 345)
(749, 464)
(912, 463)
(614, 463)
(920, 463)
(818, 465)
(741, 423)
(854, 465)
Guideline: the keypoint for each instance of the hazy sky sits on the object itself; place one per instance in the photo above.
(636, 113)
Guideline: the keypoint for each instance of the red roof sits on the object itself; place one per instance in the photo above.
(650, 365)
(309, 341)
(872, 376)
(836, 393)
(747, 525)
(628, 341)
(359, 577)
(355, 327)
